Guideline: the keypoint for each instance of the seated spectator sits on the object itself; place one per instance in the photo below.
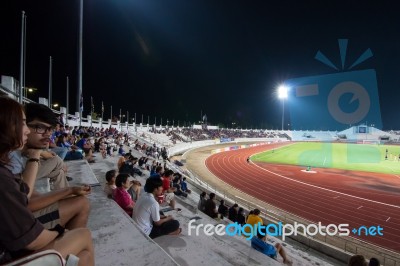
(121, 195)
(259, 243)
(73, 152)
(357, 260)
(222, 209)
(85, 145)
(233, 213)
(241, 219)
(103, 148)
(100, 146)
(21, 233)
(147, 212)
(121, 150)
(153, 167)
(254, 220)
(202, 202)
(109, 150)
(184, 186)
(158, 171)
(250, 212)
(122, 160)
(374, 262)
(168, 191)
(129, 167)
(176, 183)
(60, 151)
(134, 190)
(210, 207)
(110, 186)
(142, 162)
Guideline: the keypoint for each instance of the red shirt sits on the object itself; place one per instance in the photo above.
(166, 183)
(124, 200)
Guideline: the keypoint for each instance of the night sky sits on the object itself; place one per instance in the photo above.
(176, 59)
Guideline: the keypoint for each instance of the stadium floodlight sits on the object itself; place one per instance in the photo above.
(283, 94)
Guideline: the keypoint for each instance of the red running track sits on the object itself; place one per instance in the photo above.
(330, 196)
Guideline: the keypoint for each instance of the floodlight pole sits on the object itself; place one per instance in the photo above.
(80, 41)
(50, 82)
(66, 115)
(283, 112)
(22, 59)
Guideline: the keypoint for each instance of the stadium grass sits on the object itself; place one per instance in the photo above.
(357, 157)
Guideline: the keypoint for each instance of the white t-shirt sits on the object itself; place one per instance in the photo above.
(145, 212)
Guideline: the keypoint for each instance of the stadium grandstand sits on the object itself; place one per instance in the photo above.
(119, 240)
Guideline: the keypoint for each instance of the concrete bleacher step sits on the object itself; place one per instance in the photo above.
(202, 249)
(117, 240)
(244, 254)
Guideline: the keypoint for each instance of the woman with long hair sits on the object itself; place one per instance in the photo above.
(20, 232)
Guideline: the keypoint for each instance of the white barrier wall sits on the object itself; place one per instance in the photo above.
(182, 147)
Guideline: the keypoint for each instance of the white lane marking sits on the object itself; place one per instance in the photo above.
(330, 190)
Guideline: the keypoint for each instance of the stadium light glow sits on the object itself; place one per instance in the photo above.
(283, 94)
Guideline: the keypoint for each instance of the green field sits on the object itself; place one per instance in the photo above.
(358, 157)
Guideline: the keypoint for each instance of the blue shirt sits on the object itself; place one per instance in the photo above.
(155, 175)
(265, 248)
(183, 186)
(81, 143)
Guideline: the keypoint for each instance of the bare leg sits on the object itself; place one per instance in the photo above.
(77, 242)
(283, 254)
(74, 212)
(137, 190)
(172, 204)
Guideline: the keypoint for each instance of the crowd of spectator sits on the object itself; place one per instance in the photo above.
(360, 260)
(162, 185)
(191, 134)
(236, 215)
(35, 150)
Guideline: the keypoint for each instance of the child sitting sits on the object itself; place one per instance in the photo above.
(110, 185)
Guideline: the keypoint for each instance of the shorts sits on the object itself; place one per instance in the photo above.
(49, 217)
(169, 197)
(164, 229)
